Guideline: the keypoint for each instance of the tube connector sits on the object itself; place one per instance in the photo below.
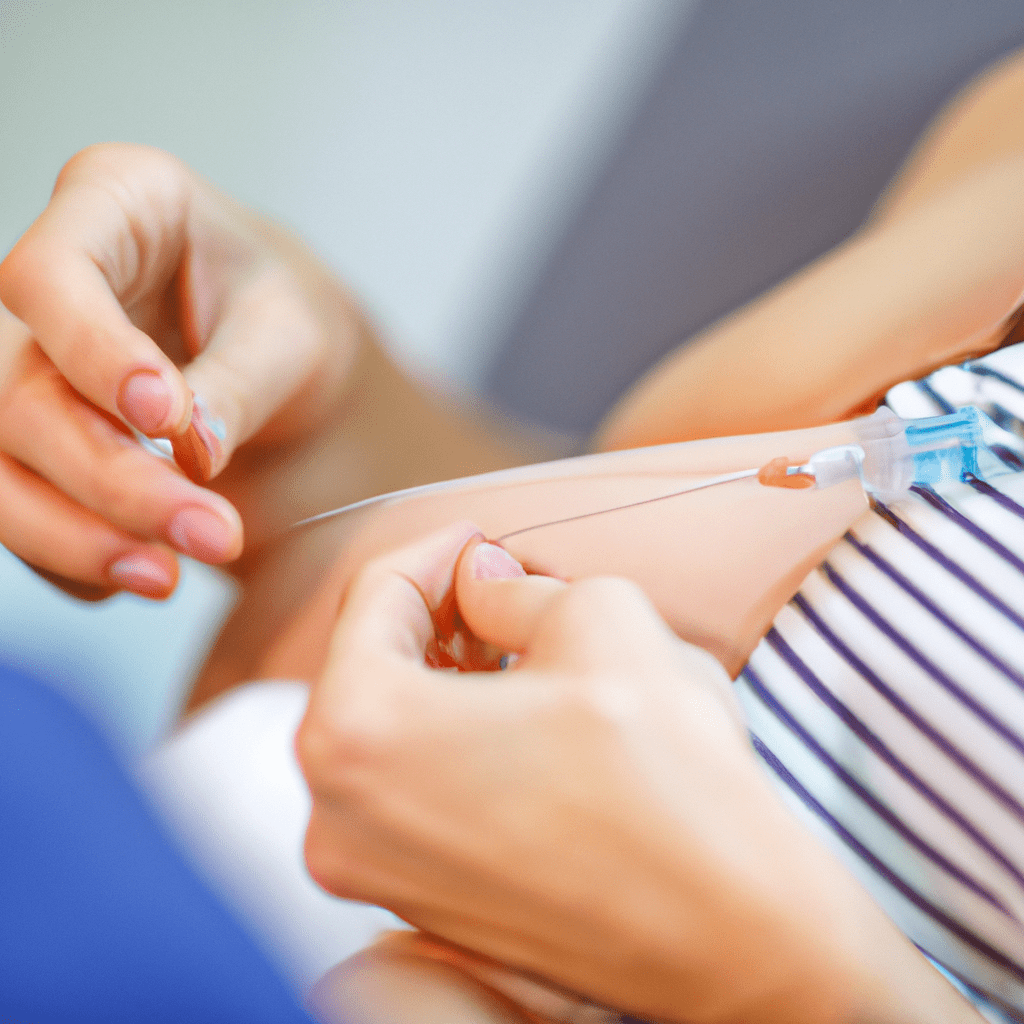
(936, 449)
(892, 454)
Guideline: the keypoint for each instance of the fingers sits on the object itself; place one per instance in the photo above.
(497, 600)
(264, 350)
(73, 547)
(382, 635)
(391, 607)
(402, 602)
(582, 624)
(589, 626)
(113, 231)
(101, 468)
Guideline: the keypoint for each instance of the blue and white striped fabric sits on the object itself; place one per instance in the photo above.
(888, 699)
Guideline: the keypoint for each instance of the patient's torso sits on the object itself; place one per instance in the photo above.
(888, 699)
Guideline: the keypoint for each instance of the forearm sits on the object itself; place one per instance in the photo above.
(932, 278)
(391, 432)
(903, 297)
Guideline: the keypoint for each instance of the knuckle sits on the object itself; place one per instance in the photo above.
(313, 746)
(114, 158)
(589, 604)
(20, 267)
(340, 752)
(83, 161)
(325, 856)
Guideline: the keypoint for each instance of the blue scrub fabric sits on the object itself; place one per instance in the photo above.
(101, 918)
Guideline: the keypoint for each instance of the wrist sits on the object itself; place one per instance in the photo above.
(788, 937)
(860, 968)
(389, 432)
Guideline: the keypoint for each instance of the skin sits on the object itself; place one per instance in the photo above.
(396, 980)
(138, 266)
(935, 276)
(594, 816)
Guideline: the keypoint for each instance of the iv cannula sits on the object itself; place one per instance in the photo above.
(892, 455)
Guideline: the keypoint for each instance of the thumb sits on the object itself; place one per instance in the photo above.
(498, 601)
(260, 353)
(392, 605)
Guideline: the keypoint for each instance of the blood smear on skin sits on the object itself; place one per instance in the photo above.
(776, 474)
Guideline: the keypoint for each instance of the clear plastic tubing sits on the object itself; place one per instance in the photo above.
(892, 455)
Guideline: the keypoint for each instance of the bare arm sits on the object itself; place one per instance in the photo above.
(391, 433)
(594, 817)
(143, 297)
(934, 277)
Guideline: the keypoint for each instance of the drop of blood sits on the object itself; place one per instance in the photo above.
(775, 474)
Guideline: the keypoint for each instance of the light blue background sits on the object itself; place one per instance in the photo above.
(428, 150)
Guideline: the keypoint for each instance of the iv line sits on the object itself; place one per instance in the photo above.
(726, 478)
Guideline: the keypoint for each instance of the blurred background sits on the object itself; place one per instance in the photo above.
(431, 152)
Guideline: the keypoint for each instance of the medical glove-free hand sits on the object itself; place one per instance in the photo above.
(145, 299)
(594, 816)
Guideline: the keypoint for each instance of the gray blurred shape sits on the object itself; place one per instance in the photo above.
(765, 139)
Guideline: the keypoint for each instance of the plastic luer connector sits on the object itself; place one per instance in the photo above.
(894, 454)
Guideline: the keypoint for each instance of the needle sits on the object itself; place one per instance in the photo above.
(726, 478)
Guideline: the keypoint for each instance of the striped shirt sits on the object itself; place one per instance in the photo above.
(887, 699)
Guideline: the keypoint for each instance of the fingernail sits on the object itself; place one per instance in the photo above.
(199, 449)
(140, 575)
(145, 401)
(202, 534)
(493, 563)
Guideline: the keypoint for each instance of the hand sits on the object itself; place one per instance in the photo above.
(405, 979)
(146, 299)
(594, 816)
(407, 976)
